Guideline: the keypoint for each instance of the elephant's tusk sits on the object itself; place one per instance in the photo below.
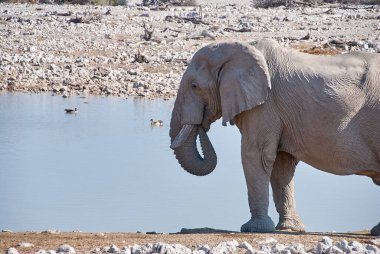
(182, 136)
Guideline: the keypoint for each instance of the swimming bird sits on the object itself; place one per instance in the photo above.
(156, 122)
(71, 111)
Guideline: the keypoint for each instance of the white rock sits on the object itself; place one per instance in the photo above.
(126, 251)
(41, 252)
(247, 246)
(356, 246)
(257, 252)
(278, 248)
(266, 248)
(25, 245)
(12, 251)
(296, 248)
(321, 248)
(334, 250)
(170, 249)
(327, 241)
(205, 248)
(270, 240)
(343, 245)
(225, 247)
(372, 248)
(65, 248)
(375, 241)
(136, 249)
(181, 249)
(113, 249)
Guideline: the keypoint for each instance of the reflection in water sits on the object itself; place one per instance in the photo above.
(107, 169)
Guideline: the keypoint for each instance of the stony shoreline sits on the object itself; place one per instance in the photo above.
(101, 50)
(213, 243)
(68, 50)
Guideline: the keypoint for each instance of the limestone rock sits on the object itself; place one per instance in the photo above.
(65, 248)
(225, 247)
(12, 251)
(25, 245)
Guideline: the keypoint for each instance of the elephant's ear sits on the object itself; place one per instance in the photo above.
(244, 82)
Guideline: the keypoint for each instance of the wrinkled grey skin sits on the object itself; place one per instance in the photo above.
(289, 107)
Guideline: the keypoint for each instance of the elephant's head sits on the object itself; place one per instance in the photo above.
(222, 80)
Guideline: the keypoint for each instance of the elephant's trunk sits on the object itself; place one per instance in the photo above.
(183, 140)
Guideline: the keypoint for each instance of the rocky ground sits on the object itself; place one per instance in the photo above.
(135, 51)
(214, 243)
(138, 51)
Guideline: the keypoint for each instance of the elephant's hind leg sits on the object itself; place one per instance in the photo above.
(283, 192)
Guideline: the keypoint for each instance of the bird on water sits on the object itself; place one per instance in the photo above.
(71, 111)
(156, 122)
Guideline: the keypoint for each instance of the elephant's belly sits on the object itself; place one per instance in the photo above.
(337, 147)
(339, 160)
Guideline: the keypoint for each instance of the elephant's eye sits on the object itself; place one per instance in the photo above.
(194, 86)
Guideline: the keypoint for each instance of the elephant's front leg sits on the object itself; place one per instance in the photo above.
(282, 181)
(257, 161)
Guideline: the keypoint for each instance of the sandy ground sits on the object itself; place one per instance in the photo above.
(85, 242)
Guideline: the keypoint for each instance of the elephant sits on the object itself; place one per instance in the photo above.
(289, 106)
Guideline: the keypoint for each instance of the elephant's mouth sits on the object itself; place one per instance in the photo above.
(187, 154)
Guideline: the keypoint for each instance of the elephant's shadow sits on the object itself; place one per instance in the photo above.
(206, 230)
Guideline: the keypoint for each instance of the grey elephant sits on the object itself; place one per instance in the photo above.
(289, 107)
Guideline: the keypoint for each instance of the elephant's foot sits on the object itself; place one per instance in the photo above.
(376, 230)
(291, 223)
(259, 225)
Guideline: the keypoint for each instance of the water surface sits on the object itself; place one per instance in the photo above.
(106, 169)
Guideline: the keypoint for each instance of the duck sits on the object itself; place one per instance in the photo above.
(71, 111)
(156, 122)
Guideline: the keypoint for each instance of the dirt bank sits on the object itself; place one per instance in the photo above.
(85, 242)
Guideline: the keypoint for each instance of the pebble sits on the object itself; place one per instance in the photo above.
(45, 252)
(247, 246)
(31, 61)
(375, 241)
(113, 249)
(12, 251)
(324, 246)
(25, 245)
(268, 241)
(327, 241)
(333, 250)
(65, 248)
(225, 247)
